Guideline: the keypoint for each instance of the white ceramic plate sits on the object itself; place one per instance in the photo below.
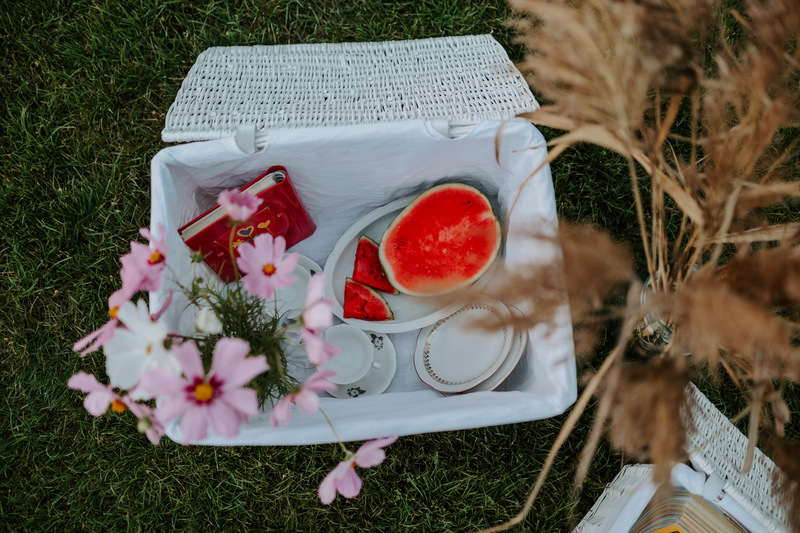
(377, 380)
(509, 363)
(453, 355)
(410, 312)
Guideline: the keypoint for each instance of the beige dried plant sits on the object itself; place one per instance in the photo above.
(704, 103)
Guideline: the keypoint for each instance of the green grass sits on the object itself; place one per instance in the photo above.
(86, 85)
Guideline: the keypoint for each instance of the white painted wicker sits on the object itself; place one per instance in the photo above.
(614, 495)
(716, 447)
(464, 79)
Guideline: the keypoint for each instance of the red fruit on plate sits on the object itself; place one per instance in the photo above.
(364, 303)
(444, 240)
(367, 268)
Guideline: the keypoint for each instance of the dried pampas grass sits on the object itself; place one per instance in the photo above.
(704, 102)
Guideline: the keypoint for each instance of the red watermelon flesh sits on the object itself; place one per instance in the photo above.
(364, 303)
(367, 268)
(444, 240)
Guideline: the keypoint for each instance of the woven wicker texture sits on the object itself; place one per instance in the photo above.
(717, 446)
(464, 79)
(629, 478)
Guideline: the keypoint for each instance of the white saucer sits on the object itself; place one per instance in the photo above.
(453, 355)
(509, 363)
(377, 380)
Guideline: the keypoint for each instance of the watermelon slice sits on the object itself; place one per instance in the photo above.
(444, 240)
(364, 302)
(367, 268)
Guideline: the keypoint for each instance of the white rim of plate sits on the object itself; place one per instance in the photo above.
(509, 363)
(425, 348)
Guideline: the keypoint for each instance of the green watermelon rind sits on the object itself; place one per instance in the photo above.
(376, 298)
(377, 280)
(386, 261)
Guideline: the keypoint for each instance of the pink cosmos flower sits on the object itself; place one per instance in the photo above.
(144, 265)
(265, 267)
(318, 350)
(96, 339)
(239, 205)
(148, 424)
(305, 398)
(99, 397)
(219, 400)
(317, 309)
(316, 317)
(343, 479)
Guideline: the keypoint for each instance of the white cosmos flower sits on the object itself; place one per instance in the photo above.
(208, 322)
(137, 347)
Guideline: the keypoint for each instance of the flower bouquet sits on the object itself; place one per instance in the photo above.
(237, 360)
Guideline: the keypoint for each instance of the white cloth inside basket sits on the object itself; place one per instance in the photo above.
(343, 173)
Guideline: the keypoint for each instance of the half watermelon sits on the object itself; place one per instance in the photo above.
(364, 303)
(444, 240)
(367, 267)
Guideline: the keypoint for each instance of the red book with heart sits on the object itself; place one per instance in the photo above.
(281, 213)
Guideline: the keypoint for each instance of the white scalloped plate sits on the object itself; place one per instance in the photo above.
(453, 355)
(410, 312)
(510, 361)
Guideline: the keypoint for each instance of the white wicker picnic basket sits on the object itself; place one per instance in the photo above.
(359, 125)
(461, 79)
(717, 450)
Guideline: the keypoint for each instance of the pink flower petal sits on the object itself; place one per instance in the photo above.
(189, 358)
(334, 480)
(164, 307)
(85, 383)
(248, 257)
(278, 247)
(97, 402)
(318, 350)
(243, 400)
(239, 205)
(318, 381)
(161, 382)
(194, 425)
(172, 408)
(228, 351)
(327, 489)
(96, 339)
(281, 412)
(223, 419)
(307, 401)
(372, 453)
(349, 484)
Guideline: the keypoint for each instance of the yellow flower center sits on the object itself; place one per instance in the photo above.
(156, 257)
(149, 349)
(269, 269)
(113, 311)
(203, 392)
(117, 406)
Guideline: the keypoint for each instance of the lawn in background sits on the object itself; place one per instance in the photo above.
(85, 88)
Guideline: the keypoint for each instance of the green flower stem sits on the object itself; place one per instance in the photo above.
(330, 424)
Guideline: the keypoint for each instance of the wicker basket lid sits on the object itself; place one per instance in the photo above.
(463, 79)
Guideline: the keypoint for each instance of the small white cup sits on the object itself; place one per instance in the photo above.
(355, 358)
